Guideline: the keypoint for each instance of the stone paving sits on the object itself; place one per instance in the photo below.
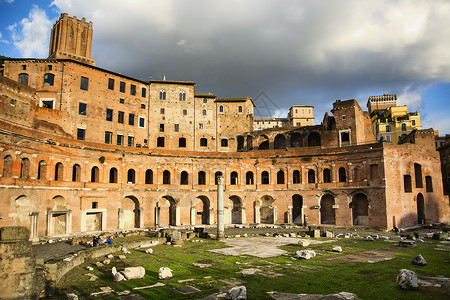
(262, 247)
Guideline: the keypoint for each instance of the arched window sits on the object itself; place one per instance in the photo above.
(203, 142)
(296, 177)
(76, 172)
(149, 177)
(311, 176)
(49, 79)
(342, 175)
(182, 142)
(162, 95)
(280, 177)
(131, 177)
(25, 168)
(216, 177)
(296, 140)
(221, 108)
(182, 96)
(59, 168)
(201, 178)
(166, 177)
(279, 142)
(234, 178)
(240, 108)
(265, 177)
(113, 175)
(249, 178)
(326, 175)
(23, 78)
(42, 170)
(184, 178)
(7, 166)
(314, 139)
(95, 172)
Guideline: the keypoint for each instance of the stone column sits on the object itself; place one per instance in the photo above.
(243, 215)
(290, 217)
(275, 215)
(257, 215)
(220, 215)
(211, 216)
(177, 216)
(121, 218)
(192, 215)
(157, 212)
(34, 226)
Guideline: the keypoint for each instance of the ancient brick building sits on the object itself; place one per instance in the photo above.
(86, 149)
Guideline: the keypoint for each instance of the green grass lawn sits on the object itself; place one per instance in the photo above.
(327, 273)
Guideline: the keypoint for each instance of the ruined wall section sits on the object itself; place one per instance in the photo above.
(413, 186)
(17, 102)
(205, 122)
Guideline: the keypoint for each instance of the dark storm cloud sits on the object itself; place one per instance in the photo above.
(298, 52)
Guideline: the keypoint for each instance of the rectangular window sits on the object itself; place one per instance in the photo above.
(144, 92)
(161, 127)
(84, 83)
(119, 139)
(141, 122)
(413, 122)
(388, 128)
(204, 112)
(162, 111)
(388, 138)
(200, 126)
(184, 112)
(120, 117)
(132, 90)
(122, 87)
(81, 133)
(121, 101)
(224, 143)
(109, 114)
(108, 137)
(82, 109)
(130, 141)
(131, 119)
(111, 84)
(50, 67)
(177, 128)
(142, 105)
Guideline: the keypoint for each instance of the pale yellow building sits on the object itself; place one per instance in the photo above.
(298, 116)
(390, 122)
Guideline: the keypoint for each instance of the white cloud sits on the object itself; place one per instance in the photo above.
(31, 35)
(2, 40)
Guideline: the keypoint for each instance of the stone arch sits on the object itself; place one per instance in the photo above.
(129, 213)
(360, 209)
(234, 180)
(25, 168)
(167, 211)
(267, 210)
(265, 179)
(113, 175)
(263, 142)
(201, 210)
(184, 178)
(327, 213)
(314, 139)
(249, 142)
(216, 177)
(296, 140)
(249, 178)
(7, 166)
(95, 174)
(22, 206)
(42, 170)
(59, 171)
(237, 210)
(326, 175)
(240, 143)
(296, 176)
(311, 176)
(342, 172)
(357, 174)
(280, 177)
(76, 172)
(58, 217)
(131, 176)
(420, 209)
(166, 177)
(279, 142)
(148, 176)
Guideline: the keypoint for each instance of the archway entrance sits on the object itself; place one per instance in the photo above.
(266, 210)
(297, 209)
(360, 210)
(129, 213)
(327, 215)
(236, 211)
(202, 207)
(166, 212)
(420, 209)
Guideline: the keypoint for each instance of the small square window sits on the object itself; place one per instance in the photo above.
(205, 100)
(109, 114)
(131, 119)
(24, 67)
(50, 67)
(184, 112)
(141, 122)
(142, 105)
(224, 143)
(162, 111)
(111, 84)
(200, 126)
(84, 83)
(120, 117)
(122, 101)
(82, 107)
(122, 87)
(81, 134)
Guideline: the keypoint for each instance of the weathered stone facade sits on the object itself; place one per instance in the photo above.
(94, 150)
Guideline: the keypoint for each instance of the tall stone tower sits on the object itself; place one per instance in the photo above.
(71, 39)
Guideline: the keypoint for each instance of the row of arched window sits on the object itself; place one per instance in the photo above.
(184, 176)
(49, 79)
(182, 95)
